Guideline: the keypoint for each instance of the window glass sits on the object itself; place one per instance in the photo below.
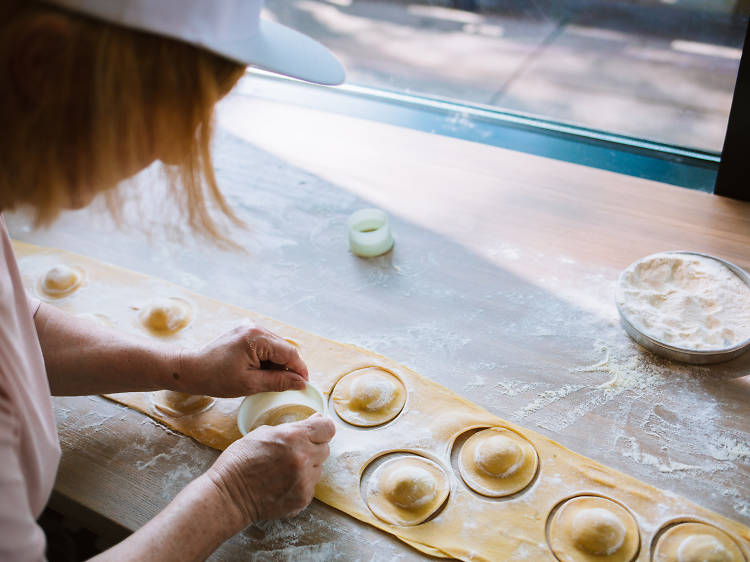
(657, 70)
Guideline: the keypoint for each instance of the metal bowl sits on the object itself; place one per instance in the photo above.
(694, 356)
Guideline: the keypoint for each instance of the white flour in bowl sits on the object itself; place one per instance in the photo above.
(687, 301)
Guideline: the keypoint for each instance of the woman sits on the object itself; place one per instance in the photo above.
(94, 91)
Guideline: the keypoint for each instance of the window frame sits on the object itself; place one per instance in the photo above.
(734, 168)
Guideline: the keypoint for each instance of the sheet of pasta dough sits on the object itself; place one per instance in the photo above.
(469, 526)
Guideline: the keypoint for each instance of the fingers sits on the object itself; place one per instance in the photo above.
(320, 429)
(277, 381)
(285, 354)
(291, 381)
(319, 455)
(264, 345)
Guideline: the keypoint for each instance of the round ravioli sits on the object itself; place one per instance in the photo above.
(406, 490)
(61, 280)
(696, 542)
(592, 528)
(369, 397)
(178, 404)
(166, 316)
(286, 413)
(497, 462)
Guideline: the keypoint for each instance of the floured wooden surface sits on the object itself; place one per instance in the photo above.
(500, 287)
(431, 424)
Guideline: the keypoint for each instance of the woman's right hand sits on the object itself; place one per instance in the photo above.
(271, 473)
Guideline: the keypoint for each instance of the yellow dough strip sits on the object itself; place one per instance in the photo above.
(470, 526)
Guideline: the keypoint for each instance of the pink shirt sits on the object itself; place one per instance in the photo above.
(29, 449)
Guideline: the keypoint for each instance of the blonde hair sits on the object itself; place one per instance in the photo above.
(118, 98)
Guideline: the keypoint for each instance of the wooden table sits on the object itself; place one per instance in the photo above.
(500, 287)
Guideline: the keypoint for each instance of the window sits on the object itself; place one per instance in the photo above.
(659, 73)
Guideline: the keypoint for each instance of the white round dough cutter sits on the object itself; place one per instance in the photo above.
(254, 408)
(369, 233)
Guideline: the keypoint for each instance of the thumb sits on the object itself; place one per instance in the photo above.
(278, 381)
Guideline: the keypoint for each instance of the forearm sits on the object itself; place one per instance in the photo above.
(82, 357)
(191, 527)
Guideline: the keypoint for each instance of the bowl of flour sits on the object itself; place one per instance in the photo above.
(686, 306)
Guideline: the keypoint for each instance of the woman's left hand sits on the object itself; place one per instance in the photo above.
(243, 361)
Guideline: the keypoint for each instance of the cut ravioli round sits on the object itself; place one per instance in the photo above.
(61, 280)
(369, 397)
(597, 531)
(497, 462)
(178, 404)
(592, 528)
(287, 413)
(166, 316)
(696, 542)
(407, 490)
